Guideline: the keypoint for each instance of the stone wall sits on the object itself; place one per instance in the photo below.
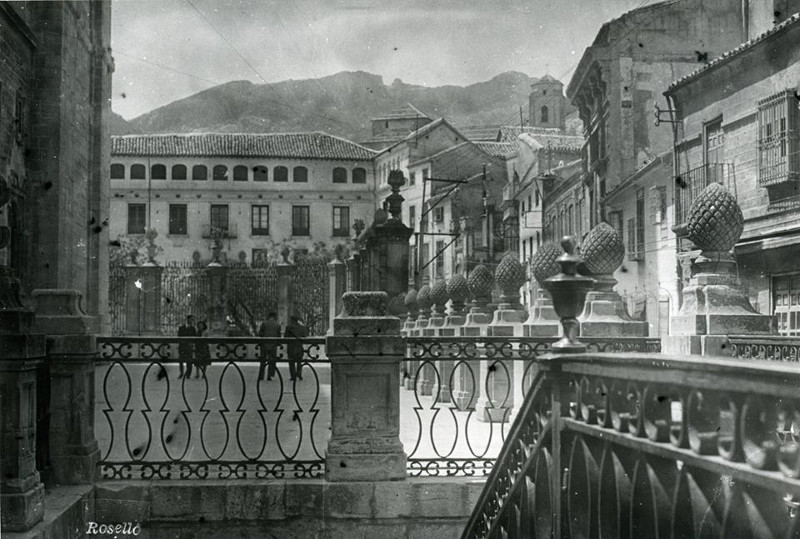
(415, 508)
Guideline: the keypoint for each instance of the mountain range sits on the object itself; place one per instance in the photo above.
(340, 104)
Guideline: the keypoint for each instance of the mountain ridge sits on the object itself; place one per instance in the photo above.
(341, 104)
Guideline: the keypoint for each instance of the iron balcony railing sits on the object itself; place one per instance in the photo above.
(228, 232)
(689, 185)
(637, 445)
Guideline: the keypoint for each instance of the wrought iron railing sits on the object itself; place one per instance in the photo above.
(773, 348)
(689, 185)
(152, 424)
(635, 445)
(464, 392)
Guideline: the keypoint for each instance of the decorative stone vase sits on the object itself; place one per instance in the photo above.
(604, 315)
(569, 290)
(542, 319)
(714, 303)
(458, 290)
(510, 276)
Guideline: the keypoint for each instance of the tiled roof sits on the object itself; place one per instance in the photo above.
(284, 145)
(503, 150)
(544, 136)
(735, 52)
(403, 112)
(478, 132)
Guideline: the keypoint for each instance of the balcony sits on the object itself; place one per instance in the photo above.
(689, 185)
(212, 232)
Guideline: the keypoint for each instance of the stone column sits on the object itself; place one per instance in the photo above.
(497, 376)
(337, 276)
(285, 296)
(457, 291)
(714, 304)
(408, 368)
(218, 308)
(468, 386)
(353, 272)
(21, 352)
(604, 314)
(365, 351)
(72, 351)
(143, 309)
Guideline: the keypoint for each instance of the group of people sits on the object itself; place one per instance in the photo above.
(197, 356)
(270, 328)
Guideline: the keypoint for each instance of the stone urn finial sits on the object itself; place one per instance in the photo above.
(424, 302)
(715, 220)
(510, 276)
(439, 296)
(481, 282)
(569, 290)
(458, 290)
(544, 263)
(603, 252)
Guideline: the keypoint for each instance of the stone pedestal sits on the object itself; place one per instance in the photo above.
(543, 320)
(71, 351)
(143, 309)
(365, 352)
(604, 314)
(21, 491)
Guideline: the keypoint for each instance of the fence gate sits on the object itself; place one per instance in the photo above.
(310, 293)
(252, 295)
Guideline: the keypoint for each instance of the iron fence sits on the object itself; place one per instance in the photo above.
(648, 446)
(466, 390)
(153, 424)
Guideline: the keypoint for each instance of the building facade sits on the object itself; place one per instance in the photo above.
(738, 123)
(257, 193)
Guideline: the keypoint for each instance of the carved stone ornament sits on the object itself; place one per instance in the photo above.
(411, 300)
(481, 281)
(439, 295)
(603, 249)
(510, 275)
(715, 219)
(458, 288)
(424, 298)
(544, 263)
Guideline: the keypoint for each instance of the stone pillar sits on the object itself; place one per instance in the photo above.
(365, 351)
(353, 272)
(337, 277)
(285, 296)
(72, 351)
(21, 353)
(468, 385)
(497, 376)
(409, 367)
(542, 320)
(143, 309)
(457, 291)
(714, 304)
(604, 314)
(218, 308)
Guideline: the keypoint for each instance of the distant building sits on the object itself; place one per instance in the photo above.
(625, 180)
(739, 125)
(259, 193)
(394, 126)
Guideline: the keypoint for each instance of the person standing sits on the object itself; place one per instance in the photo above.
(270, 328)
(201, 353)
(186, 349)
(295, 331)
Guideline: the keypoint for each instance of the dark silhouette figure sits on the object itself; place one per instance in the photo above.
(202, 354)
(186, 349)
(269, 328)
(295, 331)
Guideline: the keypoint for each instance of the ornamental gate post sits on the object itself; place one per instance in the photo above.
(365, 352)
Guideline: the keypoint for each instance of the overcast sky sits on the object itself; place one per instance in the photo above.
(169, 49)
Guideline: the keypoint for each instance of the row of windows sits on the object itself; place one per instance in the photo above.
(219, 219)
(241, 173)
